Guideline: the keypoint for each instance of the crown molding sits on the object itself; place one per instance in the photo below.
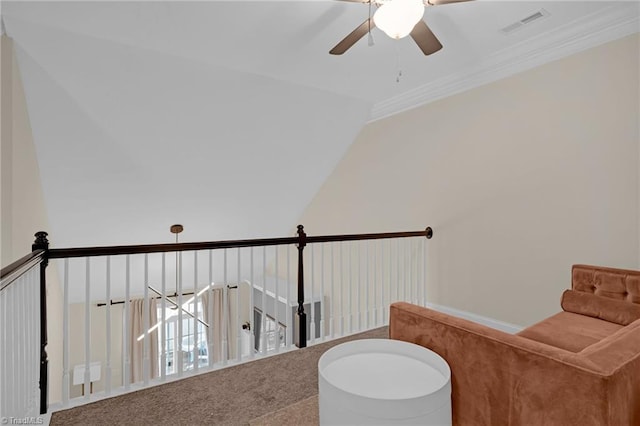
(614, 22)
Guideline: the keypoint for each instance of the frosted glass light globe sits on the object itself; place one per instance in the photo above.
(398, 17)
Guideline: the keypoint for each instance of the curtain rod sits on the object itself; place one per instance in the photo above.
(120, 302)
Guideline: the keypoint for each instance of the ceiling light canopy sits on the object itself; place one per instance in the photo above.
(398, 17)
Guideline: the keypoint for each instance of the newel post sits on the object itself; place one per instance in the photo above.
(301, 317)
(41, 243)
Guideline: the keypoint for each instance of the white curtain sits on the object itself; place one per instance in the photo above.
(137, 329)
(223, 328)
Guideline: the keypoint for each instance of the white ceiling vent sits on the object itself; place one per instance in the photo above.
(542, 13)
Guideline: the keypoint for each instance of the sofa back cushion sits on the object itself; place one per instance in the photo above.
(604, 308)
(618, 284)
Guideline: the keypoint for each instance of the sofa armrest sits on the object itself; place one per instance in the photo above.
(499, 378)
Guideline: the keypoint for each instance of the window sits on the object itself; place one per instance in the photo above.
(272, 336)
(186, 345)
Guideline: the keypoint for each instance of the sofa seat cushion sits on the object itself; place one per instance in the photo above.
(569, 331)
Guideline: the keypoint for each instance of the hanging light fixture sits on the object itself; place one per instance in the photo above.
(398, 17)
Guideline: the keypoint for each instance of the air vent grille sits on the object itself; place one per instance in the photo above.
(542, 13)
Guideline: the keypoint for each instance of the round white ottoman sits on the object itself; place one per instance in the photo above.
(383, 382)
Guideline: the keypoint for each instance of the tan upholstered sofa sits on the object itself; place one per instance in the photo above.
(578, 367)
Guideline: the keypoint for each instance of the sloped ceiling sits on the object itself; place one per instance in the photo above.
(223, 116)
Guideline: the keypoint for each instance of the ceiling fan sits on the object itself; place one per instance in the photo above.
(397, 18)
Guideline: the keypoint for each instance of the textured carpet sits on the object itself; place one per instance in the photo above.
(303, 413)
(278, 390)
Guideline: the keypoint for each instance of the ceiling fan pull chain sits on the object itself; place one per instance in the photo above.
(370, 37)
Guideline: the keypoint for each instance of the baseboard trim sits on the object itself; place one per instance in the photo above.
(489, 322)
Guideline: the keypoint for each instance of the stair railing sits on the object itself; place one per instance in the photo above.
(359, 301)
(23, 333)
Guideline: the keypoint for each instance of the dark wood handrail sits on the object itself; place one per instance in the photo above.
(159, 248)
(213, 245)
(428, 233)
(11, 272)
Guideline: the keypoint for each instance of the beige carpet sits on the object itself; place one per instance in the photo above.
(303, 413)
(278, 390)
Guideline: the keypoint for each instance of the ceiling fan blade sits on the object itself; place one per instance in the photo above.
(353, 37)
(425, 39)
(437, 2)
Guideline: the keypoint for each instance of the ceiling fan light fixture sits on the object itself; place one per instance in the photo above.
(398, 17)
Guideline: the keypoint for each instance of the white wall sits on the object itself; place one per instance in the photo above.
(6, 151)
(23, 211)
(520, 179)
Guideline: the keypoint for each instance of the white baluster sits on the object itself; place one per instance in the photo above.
(178, 342)
(416, 273)
(24, 328)
(87, 332)
(358, 284)
(238, 317)
(33, 332)
(196, 351)
(398, 282)
(251, 308)
(383, 306)
(4, 351)
(276, 301)
(350, 289)
(342, 272)
(412, 287)
(332, 300)
(288, 311)
(376, 316)
(407, 270)
(127, 337)
(145, 324)
(12, 347)
(312, 314)
(107, 378)
(322, 298)
(212, 345)
(424, 272)
(366, 287)
(65, 335)
(163, 323)
(263, 316)
(20, 367)
(225, 314)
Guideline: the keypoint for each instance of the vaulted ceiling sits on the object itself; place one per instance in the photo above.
(227, 116)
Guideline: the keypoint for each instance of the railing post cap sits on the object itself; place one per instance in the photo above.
(41, 241)
(302, 237)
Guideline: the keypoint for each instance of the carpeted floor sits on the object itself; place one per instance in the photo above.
(303, 413)
(279, 390)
